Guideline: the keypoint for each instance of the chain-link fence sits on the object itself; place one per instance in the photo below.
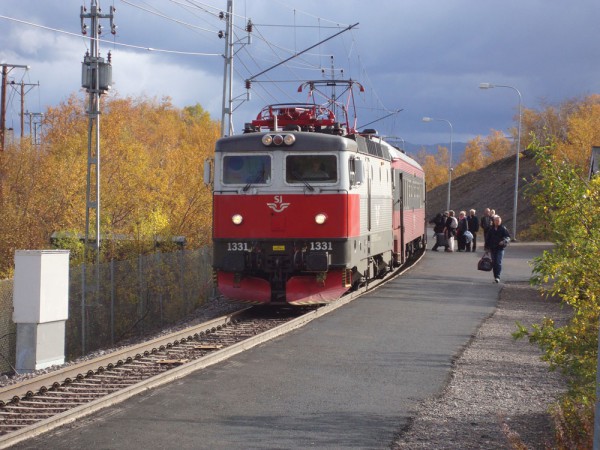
(8, 329)
(114, 301)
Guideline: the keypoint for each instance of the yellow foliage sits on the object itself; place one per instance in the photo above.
(497, 147)
(584, 132)
(472, 159)
(435, 166)
(151, 164)
(573, 127)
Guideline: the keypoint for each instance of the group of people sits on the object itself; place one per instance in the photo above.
(464, 229)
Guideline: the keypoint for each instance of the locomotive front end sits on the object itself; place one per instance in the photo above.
(281, 218)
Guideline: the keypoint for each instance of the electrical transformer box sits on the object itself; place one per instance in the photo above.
(88, 74)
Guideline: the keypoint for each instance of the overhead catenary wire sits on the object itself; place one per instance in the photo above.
(172, 19)
(309, 48)
(139, 47)
(350, 50)
(189, 5)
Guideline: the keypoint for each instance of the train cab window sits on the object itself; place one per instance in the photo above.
(243, 169)
(311, 168)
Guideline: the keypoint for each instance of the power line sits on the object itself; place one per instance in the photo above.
(303, 51)
(164, 16)
(139, 47)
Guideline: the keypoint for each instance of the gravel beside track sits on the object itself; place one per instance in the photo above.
(499, 392)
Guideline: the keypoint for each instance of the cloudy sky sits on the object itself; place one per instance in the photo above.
(425, 57)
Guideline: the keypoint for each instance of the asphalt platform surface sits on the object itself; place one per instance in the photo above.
(348, 380)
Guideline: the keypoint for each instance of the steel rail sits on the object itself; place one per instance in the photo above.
(74, 371)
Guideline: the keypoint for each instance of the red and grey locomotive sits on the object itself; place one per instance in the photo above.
(305, 207)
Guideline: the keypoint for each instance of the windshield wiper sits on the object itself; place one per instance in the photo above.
(259, 177)
(306, 183)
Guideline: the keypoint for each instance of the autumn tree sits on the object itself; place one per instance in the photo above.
(155, 155)
(570, 205)
(572, 126)
(434, 166)
(549, 123)
(473, 158)
(497, 146)
(583, 133)
(151, 183)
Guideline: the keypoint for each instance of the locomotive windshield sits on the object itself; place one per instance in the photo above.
(311, 168)
(243, 169)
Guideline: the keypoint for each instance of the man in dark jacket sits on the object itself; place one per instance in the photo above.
(439, 225)
(473, 222)
(486, 221)
(496, 240)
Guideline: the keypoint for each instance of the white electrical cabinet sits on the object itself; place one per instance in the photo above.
(41, 307)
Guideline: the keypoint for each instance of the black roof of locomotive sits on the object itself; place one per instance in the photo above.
(305, 142)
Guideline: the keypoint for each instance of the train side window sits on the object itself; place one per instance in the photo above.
(243, 169)
(356, 170)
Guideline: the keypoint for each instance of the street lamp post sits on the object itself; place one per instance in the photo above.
(516, 199)
(431, 119)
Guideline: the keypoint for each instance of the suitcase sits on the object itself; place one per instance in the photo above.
(440, 239)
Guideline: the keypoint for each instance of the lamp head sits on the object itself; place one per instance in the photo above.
(427, 119)
(485, 86)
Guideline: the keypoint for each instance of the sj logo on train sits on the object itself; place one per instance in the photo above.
(278, 205)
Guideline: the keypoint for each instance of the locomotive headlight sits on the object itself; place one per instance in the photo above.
(237, 219)
(289, 139)
(320, 219)
(267, 139)
(278, 139)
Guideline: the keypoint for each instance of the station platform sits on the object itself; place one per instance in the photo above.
(351, 379)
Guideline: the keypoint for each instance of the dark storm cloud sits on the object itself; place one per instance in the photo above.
(427, 57)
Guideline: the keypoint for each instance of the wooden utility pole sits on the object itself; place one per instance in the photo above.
(22, 93)
(6, 68)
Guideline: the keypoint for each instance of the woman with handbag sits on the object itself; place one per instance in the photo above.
(463, 233)
(496, 240)
(451, 225)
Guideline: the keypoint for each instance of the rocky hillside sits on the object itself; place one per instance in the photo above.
(491, 187)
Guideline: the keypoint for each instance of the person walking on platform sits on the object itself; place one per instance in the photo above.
(496, 240)
(486, 222)
(473, 222)
(439, 225)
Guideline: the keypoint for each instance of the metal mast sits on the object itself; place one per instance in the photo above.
(96, 78)
(227, 106)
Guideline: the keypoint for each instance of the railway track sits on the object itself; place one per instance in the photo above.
(48, 401)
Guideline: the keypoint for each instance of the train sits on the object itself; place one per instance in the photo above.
(307, 208)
